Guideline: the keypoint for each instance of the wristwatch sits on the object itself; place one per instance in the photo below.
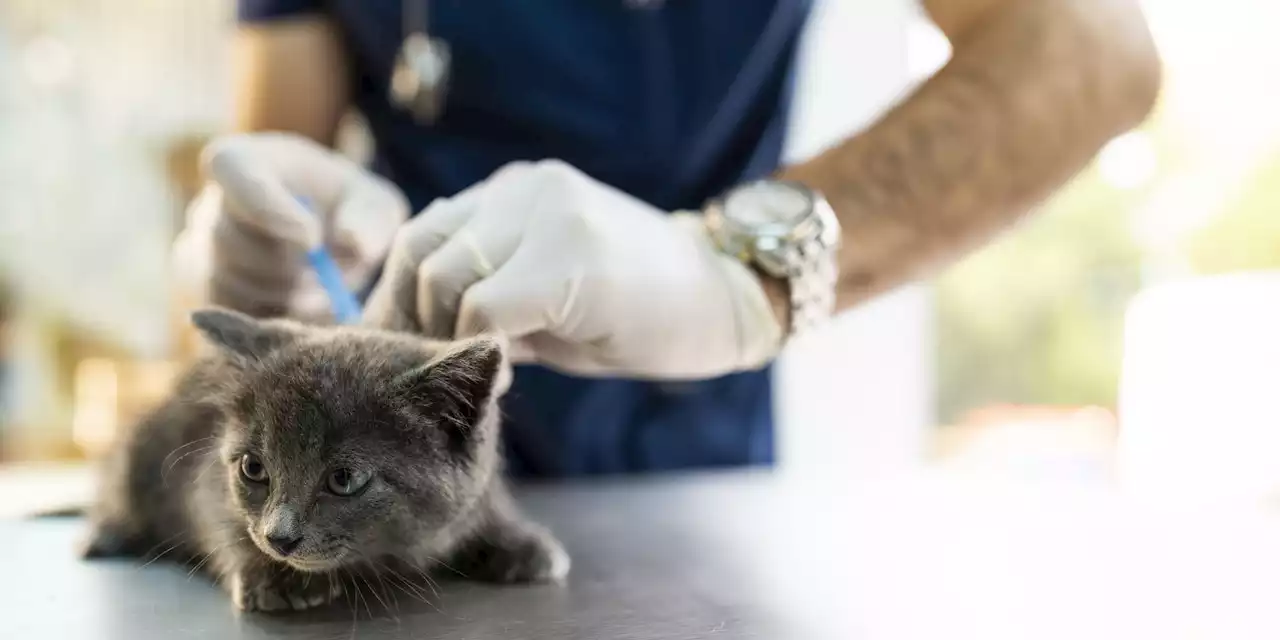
(787, 231)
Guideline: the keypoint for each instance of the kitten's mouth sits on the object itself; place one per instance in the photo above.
(313, 562)
(315, 565)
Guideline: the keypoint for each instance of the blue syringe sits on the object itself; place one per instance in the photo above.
(346, 309)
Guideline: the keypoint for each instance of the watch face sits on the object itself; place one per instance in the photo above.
(767, 206)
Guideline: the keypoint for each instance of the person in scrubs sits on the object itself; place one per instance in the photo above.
(601, 181)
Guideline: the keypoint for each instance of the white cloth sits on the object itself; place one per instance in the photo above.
(1198, 402)
(580, 276)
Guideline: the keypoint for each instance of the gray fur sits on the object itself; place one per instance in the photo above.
(420, 416)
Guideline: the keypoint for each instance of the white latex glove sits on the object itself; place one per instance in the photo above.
(247, 233)
(579, 276)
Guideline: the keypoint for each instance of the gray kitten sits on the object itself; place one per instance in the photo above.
(298, 455)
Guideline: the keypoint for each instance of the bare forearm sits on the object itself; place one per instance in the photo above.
(1033, 90)
(291, 76)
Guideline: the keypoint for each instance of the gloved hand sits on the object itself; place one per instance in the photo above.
(247, 233)
(579, 276)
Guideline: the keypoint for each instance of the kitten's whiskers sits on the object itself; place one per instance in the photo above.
(208, 464)
(346, 595)
(446, 565)
(427, 578)
(210, 554)
(384, 604)
(359, 596)
(160, 544)
(166, 466)
(403, 583)
(409, 587)
(164, 475)
(389, 593)
(162, 554)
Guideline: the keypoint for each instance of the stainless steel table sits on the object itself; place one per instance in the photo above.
(656, 559)
(736, 556)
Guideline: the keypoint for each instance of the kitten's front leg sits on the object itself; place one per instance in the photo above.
(509, 550)
(267, 586)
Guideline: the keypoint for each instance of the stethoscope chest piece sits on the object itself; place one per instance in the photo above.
(420, 80)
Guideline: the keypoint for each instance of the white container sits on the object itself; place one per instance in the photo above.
(1199, 403)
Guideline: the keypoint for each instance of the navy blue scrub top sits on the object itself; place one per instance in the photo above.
(672, 102)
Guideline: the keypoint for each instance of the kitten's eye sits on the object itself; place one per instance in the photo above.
(252, 469)
(346, 482)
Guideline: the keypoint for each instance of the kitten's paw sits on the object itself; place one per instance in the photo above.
(521, 558)
(107, 541)
(270, 596)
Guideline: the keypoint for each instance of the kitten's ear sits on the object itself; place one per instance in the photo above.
(242, 335)
(457, 385)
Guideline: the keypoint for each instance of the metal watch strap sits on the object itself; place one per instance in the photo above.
(812, 284)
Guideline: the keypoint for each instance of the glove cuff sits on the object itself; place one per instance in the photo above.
(759, 334)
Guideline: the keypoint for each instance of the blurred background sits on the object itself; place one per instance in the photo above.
(104, 105)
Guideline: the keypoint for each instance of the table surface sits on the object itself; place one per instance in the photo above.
(746, 555)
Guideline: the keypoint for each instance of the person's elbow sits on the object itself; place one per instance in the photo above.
(1127, 67)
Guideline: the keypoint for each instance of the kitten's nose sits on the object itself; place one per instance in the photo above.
(283, 543)
(281, 529)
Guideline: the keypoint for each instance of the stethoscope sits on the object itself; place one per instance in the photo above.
(420, 77)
